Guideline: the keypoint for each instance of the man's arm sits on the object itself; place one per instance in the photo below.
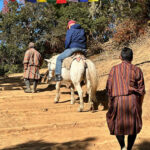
(141, 99)
(41, 60)
(140, 82)
(68, 39)
(140, 85)
(109, 87)
(26, 60)
(109, 82)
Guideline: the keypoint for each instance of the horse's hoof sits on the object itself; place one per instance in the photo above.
(94, 111)
(72, 103)
(80, 110)
(91, 108)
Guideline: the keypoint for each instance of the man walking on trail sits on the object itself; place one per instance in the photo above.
(32, 62)
(126, 89)
(75, 41)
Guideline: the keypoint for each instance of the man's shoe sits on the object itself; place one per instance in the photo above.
(34, 86)
(58, 78)
(34, 91)
(27, 91)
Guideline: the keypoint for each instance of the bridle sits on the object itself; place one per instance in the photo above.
(50, 70)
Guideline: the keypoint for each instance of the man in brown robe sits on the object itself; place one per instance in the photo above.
(126, 89)
(32, 62)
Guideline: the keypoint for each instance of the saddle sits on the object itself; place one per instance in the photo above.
(68, 61)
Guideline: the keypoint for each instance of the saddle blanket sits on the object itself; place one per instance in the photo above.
(68, 61)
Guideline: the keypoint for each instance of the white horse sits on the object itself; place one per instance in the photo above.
(77, 73)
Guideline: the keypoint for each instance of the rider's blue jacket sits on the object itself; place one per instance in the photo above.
(75, 37)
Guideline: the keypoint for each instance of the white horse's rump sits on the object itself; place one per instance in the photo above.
(75, 75)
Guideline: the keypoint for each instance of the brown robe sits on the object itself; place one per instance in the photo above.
(32, 62)
(125, 86)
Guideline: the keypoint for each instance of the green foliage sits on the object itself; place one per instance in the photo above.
(45, 24)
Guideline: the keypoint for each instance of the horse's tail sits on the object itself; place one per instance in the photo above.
(93, 78)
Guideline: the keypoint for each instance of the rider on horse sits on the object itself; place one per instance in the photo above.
(75, 41)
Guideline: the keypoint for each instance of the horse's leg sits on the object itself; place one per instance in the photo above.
(57, 92)
(76, 75)
(80, 93)
(72, 94)
(89, 90)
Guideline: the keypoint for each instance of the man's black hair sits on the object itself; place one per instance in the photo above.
(127, 54)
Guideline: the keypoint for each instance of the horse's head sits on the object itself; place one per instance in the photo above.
(51, 66)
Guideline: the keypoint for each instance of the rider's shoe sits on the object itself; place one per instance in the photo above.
(58, 77)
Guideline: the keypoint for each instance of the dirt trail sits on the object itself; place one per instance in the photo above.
(34, 122)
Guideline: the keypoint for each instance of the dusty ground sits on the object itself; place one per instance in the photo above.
(34, 122)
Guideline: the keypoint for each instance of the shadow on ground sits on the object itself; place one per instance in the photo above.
(12, 83)
(15, 83)
(101, 96)
(50, 87)
(102, 99)
(145, 145)
(41, 145)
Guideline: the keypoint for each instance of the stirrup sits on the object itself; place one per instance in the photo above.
(58, 78)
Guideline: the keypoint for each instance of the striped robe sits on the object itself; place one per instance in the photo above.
(32, 62)
(125, 87)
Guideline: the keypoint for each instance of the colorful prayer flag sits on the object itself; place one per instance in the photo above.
(42, 1)
(5, 7)
(83, 0)
(13, 0)
(32, 1)
(93, 0)
(73, 1)
(61, 1)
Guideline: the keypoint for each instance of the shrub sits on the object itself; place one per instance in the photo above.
(128, 30)
(12, 68)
